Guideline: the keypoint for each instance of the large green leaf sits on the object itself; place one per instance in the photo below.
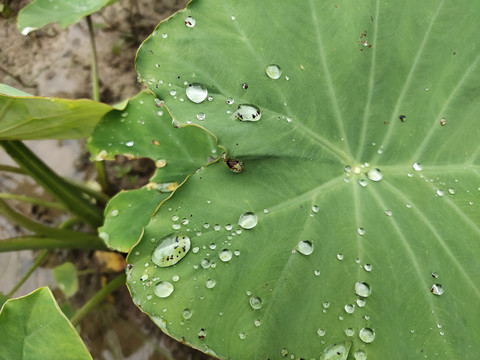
(144, 129)
(28, 117)
(33, 327)
(39, 13)
(362, 169)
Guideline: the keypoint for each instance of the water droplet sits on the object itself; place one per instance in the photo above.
(326, 304)
(417, 166)
(362, 289)
(196, 93)
(225, 255)
(164, 35)
(315, 208)
(190, 21)
(210, 283)
(336, 352)
(237, 252)
(228, 227)
(367, 335)
(242, 335)
(317, 272)
(340, 256)
(435, 275)
(388, 212)
(201, 116)
(114, 213)
(247, 112)
(360, 302)
(368, 267)
(144, 277)
(374, 175)
(361, 231)
(248, 220)
(360, 355)
(171, 250)
(305, 247)
(273, 71)
(451, 191)
(129, 143)
(202, 333)
(212, 246)
(321, 332)
(175, 218)
(163, 289)
(284, 352)
(187, 314)
(440, 192)
(173, 92)
(255, 302)
(175, 278)
(437, 289)
(257, 322)
(245, 86)
(160, 163)
(349, 308)
(349, 332)
(205, 263)
(362, 182)
(443, 121)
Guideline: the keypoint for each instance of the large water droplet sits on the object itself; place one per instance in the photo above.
(225, 255)
(437, 289)
(360, 355)
(305, 247)
(247, 112)
(362, 289)
(190, 21)
(163, 289)
(196, 93)
(255, 302)
(367, 335)
(349, 308)
(210, 283)
(374, 175)
(417, 166)
(273, 71)
(171, 250)
(336, 352)
(248, 220)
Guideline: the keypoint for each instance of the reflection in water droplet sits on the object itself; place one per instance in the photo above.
(202, 333)
(315, 208)
(362, 182)
(349, 308)
(163, 289)
(367, 335)
(340, 256)
(362, 289)
(225, 255)
(273, 71)
(368, 267)
(205, 263)
(451, 191)
(361, 231)
(190, 21)
(374, 175)
(247, 112)
(417, 166)
(257, 322)
(248, 220)
(349, 332)
(360, 355)
(255, 302)
(440, 192)
(317, 272)
(201, 116)
(210, 283)
(242, 335)
(321, 332)
(305, 247)
(129, 143)
(336, 352)
(437, 289)
(171, 250)
(196, 93)
(187, 314)
(360, 302)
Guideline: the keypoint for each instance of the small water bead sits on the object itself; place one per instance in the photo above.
(160, 163)
(130, 143)
(163, 289)
(242, 335)
(236, 252)
(187, 314)
(257, 322)
(255, 302)
(202, 334)
(362, 289)
(216, 227)
(172, 249)
(451, 191)
(340, 256)
(362, 182)
(360, 302)
(336, 352)
(367, 335)
(210, 283)
(144, 277)
(175, 278)
(114, 213)
(374, 175)
(317, 272)
(305, 247)
(437, 289)
(225, 255)
(190, 21)
(212, 246)
(440, 192)
(315, 208)
(349, 308)
(164, 35)
(435, 275)
(360, 355)
(195, 249)
(349, 332)
(357, 260)
(201, 116)
(205, 263)
(196, 93)
(417, 166)
(246, 112)
(388, 212)
(321, 332)
(361, 231)
(273, 71)
(173, 92)
(210, 98)
(326, 304)
(247, 220)
(176, 226)
(284, 352)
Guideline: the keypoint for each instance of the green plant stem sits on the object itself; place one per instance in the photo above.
(33, 242)
(60, 189)
(32, 200)
(12, 169)
(24, 278)
(97, 195)
(97, 298)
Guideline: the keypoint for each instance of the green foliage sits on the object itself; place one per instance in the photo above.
(359, 159)
(66, 278)
(34, 327)
(39, 13)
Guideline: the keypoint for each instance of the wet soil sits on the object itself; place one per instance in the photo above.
(56, 62)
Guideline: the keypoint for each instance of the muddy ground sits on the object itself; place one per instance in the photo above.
(57, 62)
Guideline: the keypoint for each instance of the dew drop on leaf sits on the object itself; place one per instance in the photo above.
(349, 332)
(417, 166)
(374, 175)
(247, 112)
(171, 250)
(361, 231)
(129, 143)
(210, 283)
(163, 289)
(201, 116)
(196, 93)
(336, 352)
(190, 21)
(205, 263)
(368, 267)
(187, 314)
(367, 335)
(349, 308)
(255, 302)
(225, 255)
(362, 289)
(321, 332)
(360, 355)
(437, 289)
(305, 247)
(273, 71)
(315, 208)
(242, 335)
(247, 220)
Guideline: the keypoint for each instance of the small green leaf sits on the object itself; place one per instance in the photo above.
(11, 91)
(66, 278)
(25, 117)
(34, 328)
(39, 13)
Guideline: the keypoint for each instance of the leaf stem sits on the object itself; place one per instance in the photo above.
(35, 242)
(97, 298)
(24, 278)
(95, 79)
(32, 200)
(12, 169)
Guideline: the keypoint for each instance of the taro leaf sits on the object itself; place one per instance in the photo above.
(39, 13)
(363, 171)
(34, 327)
(27, 117)
(144, 129)
(66, 278)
